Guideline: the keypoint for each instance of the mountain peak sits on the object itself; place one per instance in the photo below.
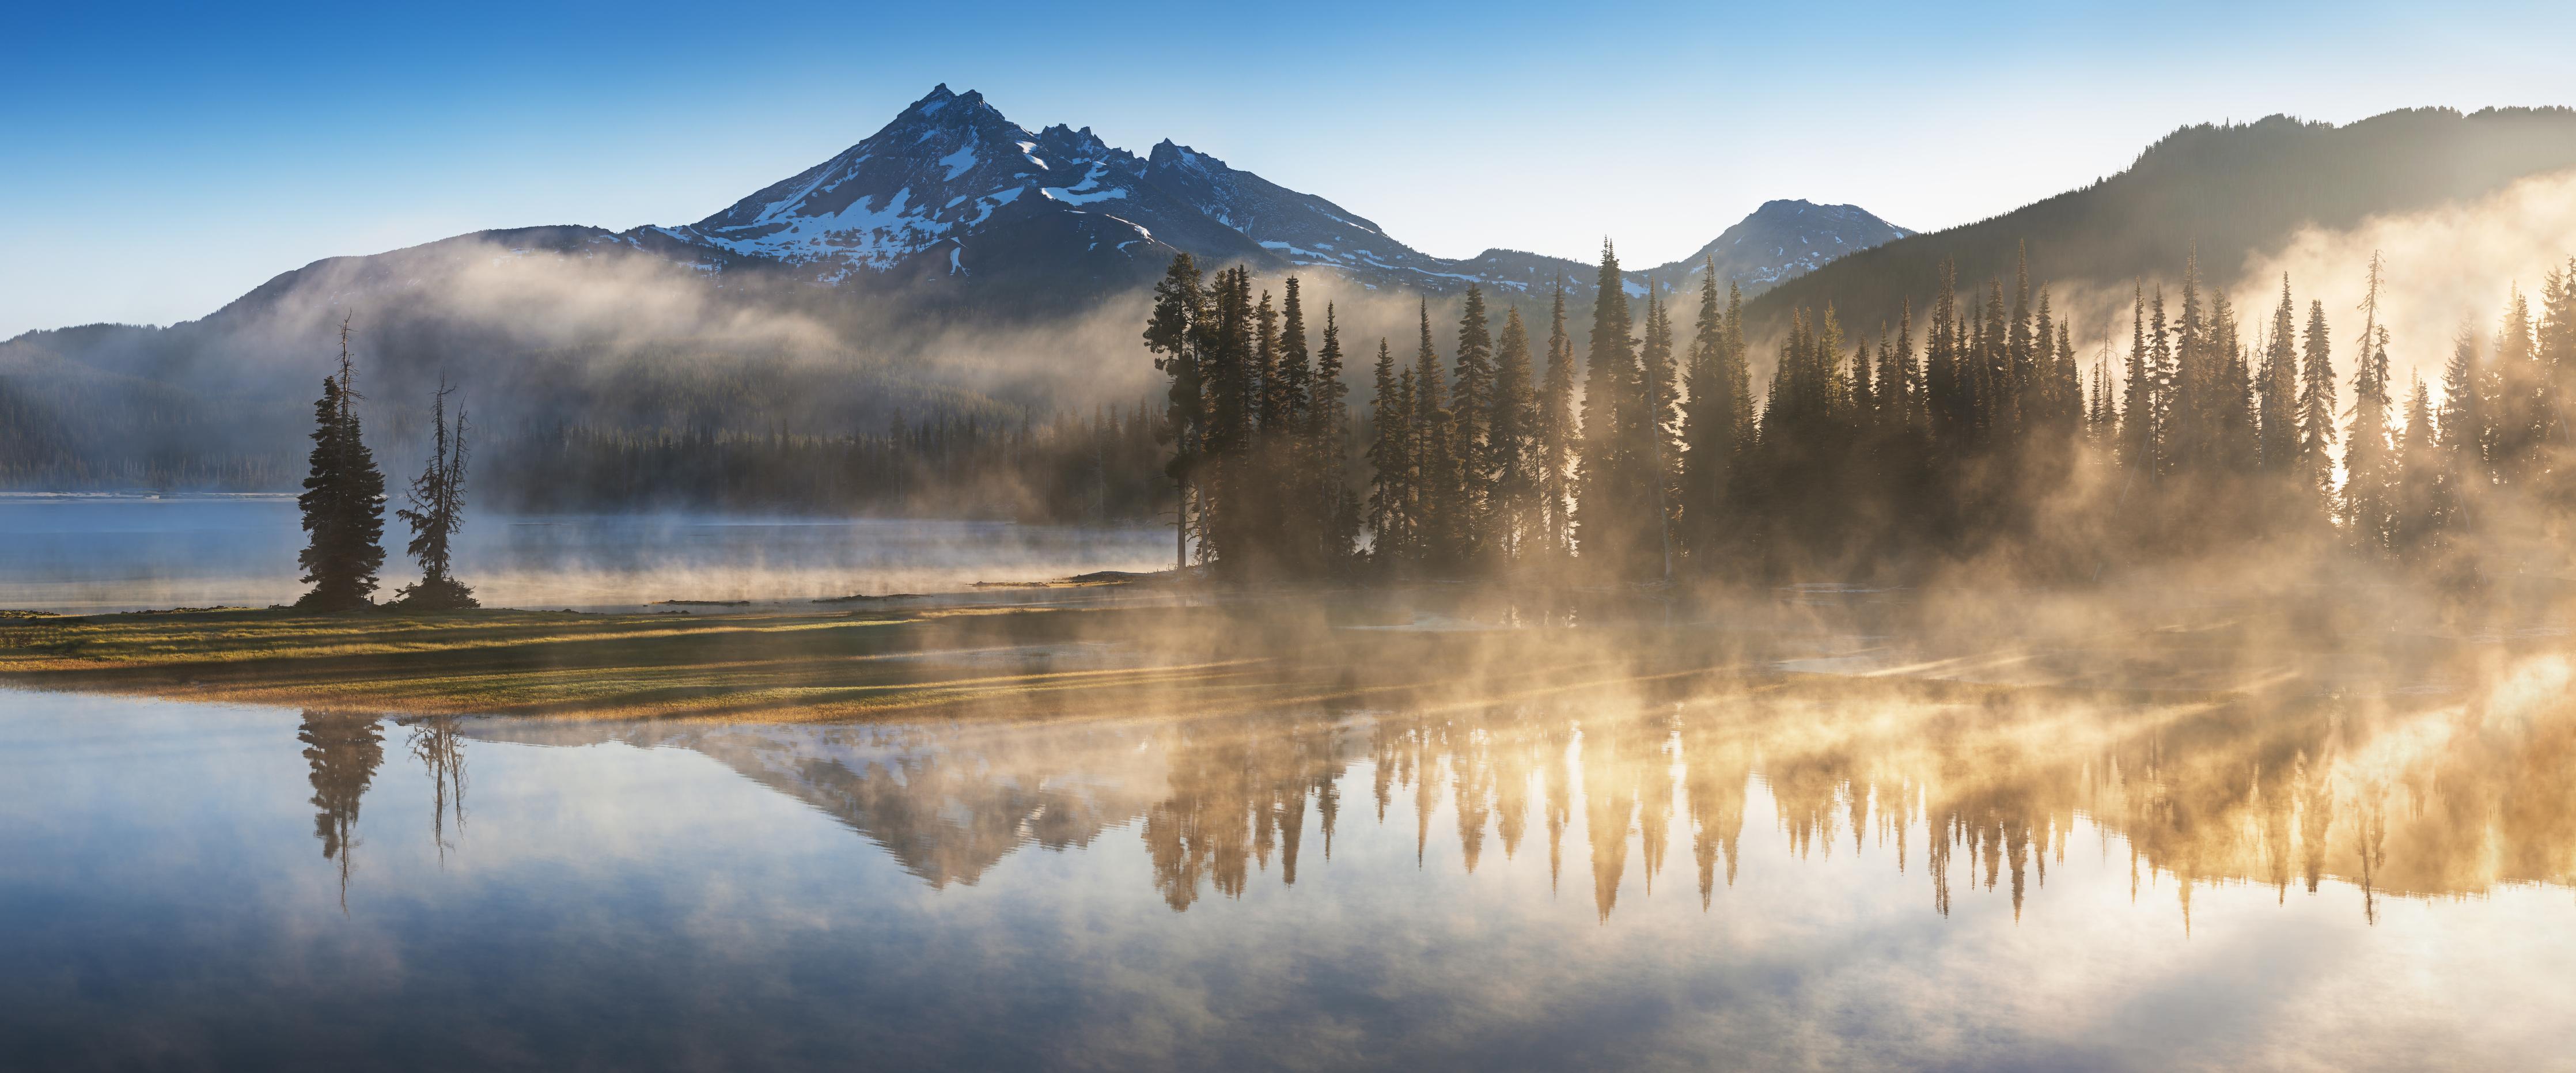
(948, 108)
(931, 102)
(952, 188)
(1170, 154)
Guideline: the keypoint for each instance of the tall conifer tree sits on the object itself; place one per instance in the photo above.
(343, 501)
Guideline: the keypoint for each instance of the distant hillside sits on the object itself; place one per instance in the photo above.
(2234, 190)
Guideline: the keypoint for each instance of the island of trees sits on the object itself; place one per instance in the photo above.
(1968, 431)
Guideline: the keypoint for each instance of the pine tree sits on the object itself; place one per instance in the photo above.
(2278, 384)
(2069, 389)
(2422, 511)
(1948, 397)
(2041, 402)
(2517, 414)
(1611, 489)
(1556, 434)
(1390, 462)
(2317, 435)
(1430, 397)
(1997, 394)
(2171, 434)
(2464, 434)
(1234, 348)
(1913, 412)
(1173, 334)
(1327, 427)
(436, 512)
(2021, 350)
(1472, 406)
(2557, 351)
(2138, 403)
(1511, 446)
(1293, 536)
(1659, 421)
(343, 501)
(1713, 421)
(2191, 412)
(2236, 440)
(2369, 470)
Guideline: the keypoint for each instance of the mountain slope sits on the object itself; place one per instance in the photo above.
(2227, 191)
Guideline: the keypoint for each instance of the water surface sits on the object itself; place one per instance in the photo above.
(91, 553)
(1793, 875)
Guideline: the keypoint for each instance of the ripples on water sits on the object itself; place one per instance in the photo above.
(1792, 871)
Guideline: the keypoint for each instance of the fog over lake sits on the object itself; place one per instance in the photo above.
(92, 553)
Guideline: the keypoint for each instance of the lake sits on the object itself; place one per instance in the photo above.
(91, 553)
(1747, 880)
(2196, 848)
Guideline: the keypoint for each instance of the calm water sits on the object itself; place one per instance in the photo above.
(81, 553)
(1777, 879)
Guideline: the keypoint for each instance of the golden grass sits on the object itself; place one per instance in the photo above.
(1036, 660)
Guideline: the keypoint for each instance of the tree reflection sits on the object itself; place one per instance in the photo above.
(1972, 790)
(342, 751)
(441, 751)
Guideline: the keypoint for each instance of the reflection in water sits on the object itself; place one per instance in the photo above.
(1786, 871)
(441, 751)
(343, 750)
(2392, 795)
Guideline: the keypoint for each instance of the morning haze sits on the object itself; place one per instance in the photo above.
(1503, 538)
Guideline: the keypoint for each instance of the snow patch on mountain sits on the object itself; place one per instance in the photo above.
(951, 168)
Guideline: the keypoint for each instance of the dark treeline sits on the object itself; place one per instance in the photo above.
(1968, 430)
(1105, 466)
(62, 432)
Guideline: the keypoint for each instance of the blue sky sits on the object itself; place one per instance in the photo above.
(157, 161)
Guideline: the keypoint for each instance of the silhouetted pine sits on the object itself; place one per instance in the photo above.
(2013, 407)
(2276, 383)
(343, 501)
(2370, 474)
(2518, 410)
(2236, 441)
(1174, 334)
(2464, 434)
(2317, 434)
(436, 512)
(1613, 493)
(1657, 424)
(1556, 437)
(2422, 512)
(1511, 445)
(2557, 351)
(1472, 412)
(1949, 400)
(1327, 434)
(1717, 420)
(1234, 388)
(1390, 456)
(2171, 438)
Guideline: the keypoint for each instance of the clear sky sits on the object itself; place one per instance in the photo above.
(158, 161)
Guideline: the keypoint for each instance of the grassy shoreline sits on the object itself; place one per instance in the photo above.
(821, 664)
(1031, 658)
(1035, 655)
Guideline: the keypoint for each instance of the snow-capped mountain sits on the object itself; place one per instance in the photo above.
(951, 190)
